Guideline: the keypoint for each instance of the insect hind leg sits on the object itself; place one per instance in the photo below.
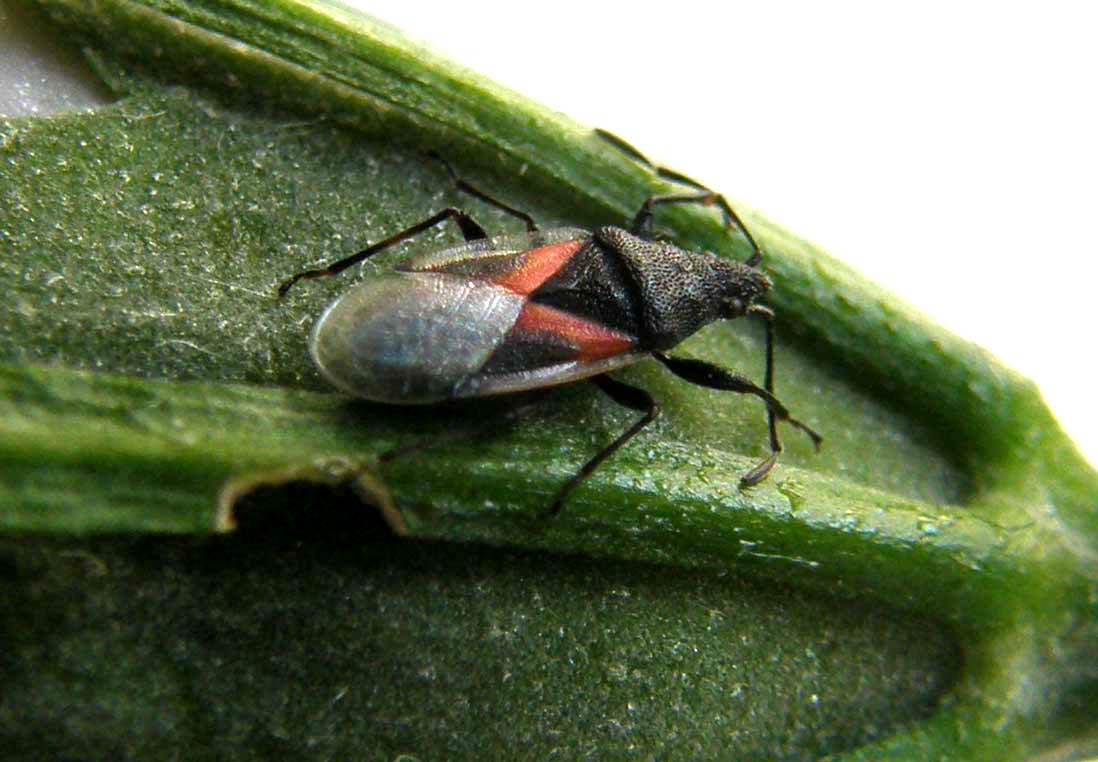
(470, 229)
(481, 429)
(627, 396)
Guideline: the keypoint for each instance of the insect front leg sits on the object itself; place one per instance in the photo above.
(627, 396)
(714, 377)
(768, 377)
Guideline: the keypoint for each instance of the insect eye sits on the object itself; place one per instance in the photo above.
(734, 307)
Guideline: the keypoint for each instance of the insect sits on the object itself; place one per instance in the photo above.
(519, 312)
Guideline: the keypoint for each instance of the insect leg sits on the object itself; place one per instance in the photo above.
(768, 378)
(472, 190)
(642, 222)
(469, 228)
(714, 377)
(630, 150)
(628, 396)
(485, 426)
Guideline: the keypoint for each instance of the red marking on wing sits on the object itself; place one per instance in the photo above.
(538, 266)
(593, 341)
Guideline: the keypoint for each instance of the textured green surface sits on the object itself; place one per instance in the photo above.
(148, 366)
(314, 644)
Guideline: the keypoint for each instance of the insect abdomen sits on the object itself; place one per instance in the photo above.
(412, 338)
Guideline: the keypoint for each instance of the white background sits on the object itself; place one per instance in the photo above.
(949, 151)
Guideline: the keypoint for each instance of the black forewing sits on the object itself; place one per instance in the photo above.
(594, 285)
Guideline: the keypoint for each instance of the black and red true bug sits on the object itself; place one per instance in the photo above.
(519, 312)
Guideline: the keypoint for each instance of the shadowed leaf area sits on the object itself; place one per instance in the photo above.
(313, 633)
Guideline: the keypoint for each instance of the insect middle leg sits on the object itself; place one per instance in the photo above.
(715, 377)
(475, 192)
(642, 222)
(628, 396)
(633, 152)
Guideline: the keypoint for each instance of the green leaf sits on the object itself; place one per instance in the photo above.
(151, 380)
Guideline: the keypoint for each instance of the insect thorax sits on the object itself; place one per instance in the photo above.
(678, 291)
